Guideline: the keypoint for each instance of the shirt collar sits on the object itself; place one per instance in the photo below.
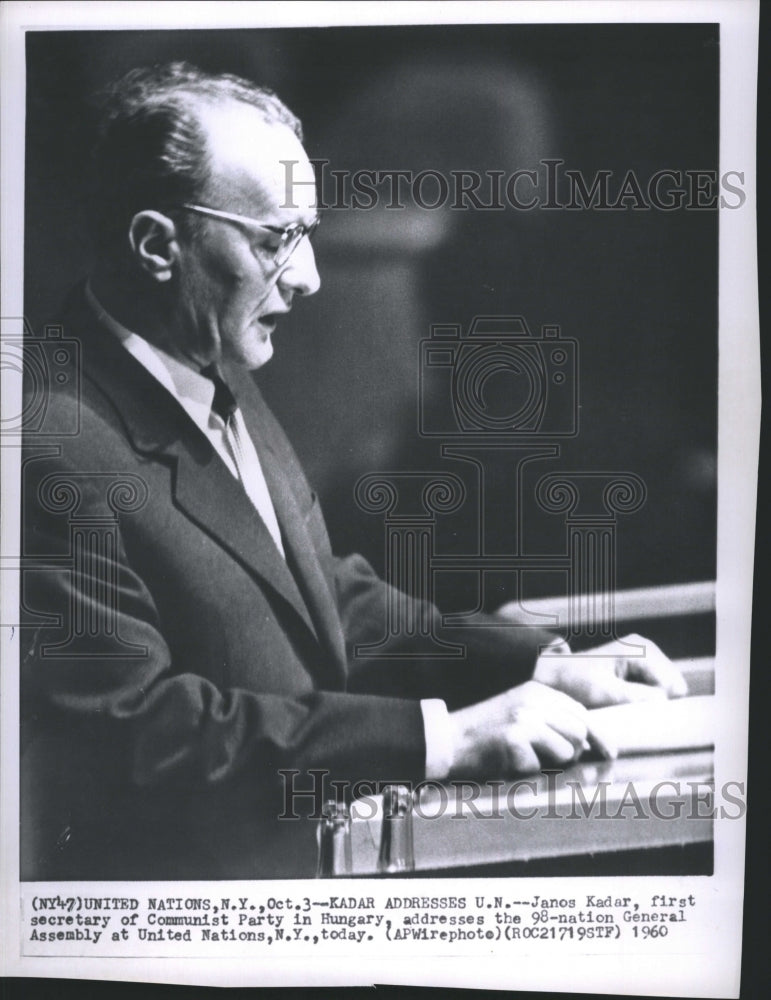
(193, 391)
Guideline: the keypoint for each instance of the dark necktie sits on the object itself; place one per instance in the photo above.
(224, 402)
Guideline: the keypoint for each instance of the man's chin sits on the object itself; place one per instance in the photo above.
(259, 353)
(252, 348)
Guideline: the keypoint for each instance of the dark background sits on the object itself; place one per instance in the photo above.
(636, 289)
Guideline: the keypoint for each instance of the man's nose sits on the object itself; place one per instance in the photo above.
(299, 274)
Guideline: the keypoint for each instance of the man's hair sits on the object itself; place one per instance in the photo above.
(152, 150)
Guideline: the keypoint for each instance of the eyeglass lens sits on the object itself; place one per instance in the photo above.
(291, 239)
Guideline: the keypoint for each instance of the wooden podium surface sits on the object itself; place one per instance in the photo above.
(659, 803)
(638, 803)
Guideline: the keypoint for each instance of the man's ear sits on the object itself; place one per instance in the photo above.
(153, 239)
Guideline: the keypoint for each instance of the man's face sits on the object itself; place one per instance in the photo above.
(229, 292)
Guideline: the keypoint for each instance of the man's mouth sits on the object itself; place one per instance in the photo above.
(269, 321)
(271, 318)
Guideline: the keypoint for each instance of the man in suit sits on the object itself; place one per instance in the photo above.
(195, 633)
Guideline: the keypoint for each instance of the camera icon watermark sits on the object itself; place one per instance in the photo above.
(43, 363)
(501, 399)
(498, 379)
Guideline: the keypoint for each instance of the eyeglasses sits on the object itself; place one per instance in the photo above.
(290, 237)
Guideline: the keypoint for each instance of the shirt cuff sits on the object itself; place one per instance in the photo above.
(438, 732)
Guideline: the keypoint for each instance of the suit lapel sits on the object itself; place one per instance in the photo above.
(299, 548)
(203, 489)
(209, 495)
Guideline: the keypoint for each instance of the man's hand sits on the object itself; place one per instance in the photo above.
(523, 729)
(608, 675)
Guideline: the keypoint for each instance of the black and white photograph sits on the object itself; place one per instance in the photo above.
(380, 422)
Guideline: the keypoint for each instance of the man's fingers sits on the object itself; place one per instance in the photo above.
(654, 668)
(533, 694)
(553, 748)
(626, 691)
(610, 689)
(533, 741)
(570, 726)
(658, 670)
(600, 745)
(521, 755)
(515, 731)
(557, 710)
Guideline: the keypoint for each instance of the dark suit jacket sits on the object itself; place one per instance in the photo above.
(160, 705)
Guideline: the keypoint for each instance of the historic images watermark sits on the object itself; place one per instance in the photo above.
(498, 392)
(548, 796)
(86, 545)
(549, 186)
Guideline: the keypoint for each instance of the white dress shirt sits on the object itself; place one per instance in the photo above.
(195, 393)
